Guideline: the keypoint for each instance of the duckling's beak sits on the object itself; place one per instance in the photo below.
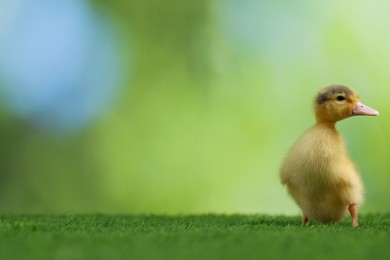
(363, 110)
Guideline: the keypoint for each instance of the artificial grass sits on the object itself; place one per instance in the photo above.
(98, 236)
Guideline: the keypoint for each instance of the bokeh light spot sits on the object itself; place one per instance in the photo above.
(59, 63)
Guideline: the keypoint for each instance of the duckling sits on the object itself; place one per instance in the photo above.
(317, 170)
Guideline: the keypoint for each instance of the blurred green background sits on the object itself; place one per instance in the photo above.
(180, 106)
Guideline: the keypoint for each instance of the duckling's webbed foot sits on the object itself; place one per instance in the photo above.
(354, 214)
(305, 219)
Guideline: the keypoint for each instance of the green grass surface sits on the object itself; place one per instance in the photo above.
(190, 237)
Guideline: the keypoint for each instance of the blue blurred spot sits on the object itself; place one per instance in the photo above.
(59, 65)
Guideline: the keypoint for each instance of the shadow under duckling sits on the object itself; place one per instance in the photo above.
(317, 171)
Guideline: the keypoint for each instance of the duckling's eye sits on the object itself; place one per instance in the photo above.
(340, 98)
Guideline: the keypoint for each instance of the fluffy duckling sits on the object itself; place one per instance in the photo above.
(317, 171)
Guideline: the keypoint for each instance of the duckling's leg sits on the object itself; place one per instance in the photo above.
(305, 219)
(354, 214)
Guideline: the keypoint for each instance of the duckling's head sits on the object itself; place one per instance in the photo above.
(337, 102)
